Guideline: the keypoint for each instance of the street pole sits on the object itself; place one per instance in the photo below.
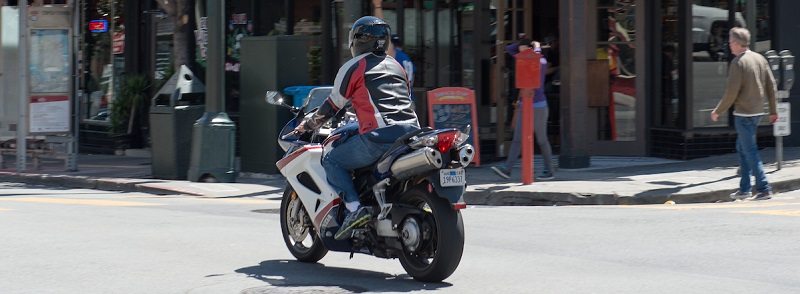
(71, 163)
(22, 119)
(213, 135)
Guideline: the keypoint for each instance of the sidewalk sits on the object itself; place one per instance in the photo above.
(609, 180)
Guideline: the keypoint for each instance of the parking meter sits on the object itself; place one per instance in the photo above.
(775, 65)
(787, 63)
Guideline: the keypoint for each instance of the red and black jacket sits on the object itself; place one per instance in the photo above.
(378, 89)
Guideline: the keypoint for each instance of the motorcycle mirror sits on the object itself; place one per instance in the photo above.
(274, 98)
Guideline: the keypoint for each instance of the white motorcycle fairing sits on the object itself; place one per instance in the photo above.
(303, 170)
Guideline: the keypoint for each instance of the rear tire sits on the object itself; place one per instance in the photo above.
(440, 254)
(298, 232)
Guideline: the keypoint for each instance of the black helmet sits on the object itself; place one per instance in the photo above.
(369, 34)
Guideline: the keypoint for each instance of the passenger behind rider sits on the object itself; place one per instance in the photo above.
(379, 91)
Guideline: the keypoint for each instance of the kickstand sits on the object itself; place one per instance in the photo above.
(351, 254)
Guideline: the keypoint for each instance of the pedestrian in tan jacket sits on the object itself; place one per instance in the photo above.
(750, 83)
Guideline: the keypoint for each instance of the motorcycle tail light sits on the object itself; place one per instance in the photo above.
(447, 140)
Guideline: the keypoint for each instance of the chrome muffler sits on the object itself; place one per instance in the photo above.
(417, 162)
(465, 154)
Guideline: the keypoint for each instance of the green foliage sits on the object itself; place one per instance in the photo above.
(123, 110)
(315, 64)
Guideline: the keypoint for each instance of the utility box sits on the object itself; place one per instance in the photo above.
(268, 63)
(173, 112)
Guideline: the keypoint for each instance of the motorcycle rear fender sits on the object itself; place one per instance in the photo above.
(452, 194)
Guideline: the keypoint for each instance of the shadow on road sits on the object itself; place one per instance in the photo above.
(295, 274)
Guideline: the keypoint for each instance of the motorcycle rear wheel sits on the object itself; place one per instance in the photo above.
(298, 232)
(445, 242)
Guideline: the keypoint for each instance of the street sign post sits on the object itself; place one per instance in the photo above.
(785, 81)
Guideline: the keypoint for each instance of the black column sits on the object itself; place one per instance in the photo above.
(574, 109)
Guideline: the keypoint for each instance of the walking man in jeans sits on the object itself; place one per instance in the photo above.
(750, 82)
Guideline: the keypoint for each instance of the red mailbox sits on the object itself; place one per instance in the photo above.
(528, 74)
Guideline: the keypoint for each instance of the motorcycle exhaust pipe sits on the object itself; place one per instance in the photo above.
(417, 162)
(465, 154)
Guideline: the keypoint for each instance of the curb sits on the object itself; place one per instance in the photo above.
(491, 197)
(524, 198)
(80, 182)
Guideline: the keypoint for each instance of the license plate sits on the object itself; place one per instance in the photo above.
(452, 177)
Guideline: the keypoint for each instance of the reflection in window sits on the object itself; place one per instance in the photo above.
(616, 36)
(710, 58)
(760, 33)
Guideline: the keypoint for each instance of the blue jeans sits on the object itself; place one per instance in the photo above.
(748, 154)
(356, 152)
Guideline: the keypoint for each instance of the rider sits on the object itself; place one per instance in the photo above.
(378, 89)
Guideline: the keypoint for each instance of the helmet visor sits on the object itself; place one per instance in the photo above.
(368, 33)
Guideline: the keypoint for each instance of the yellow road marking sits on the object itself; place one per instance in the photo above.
(2, 209)
(238, 200)
(96, 202)
(774, 212)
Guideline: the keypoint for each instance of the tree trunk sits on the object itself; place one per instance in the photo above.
(178, 11)
(180, 43)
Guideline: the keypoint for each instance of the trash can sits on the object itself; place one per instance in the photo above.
(173, 112)
(300, 93)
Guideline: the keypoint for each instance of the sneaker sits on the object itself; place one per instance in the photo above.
(353, 220)
(764, 195)
(502, 172)
(740, 195)
(545, 175)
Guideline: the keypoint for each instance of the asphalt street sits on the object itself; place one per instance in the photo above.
(58, 240)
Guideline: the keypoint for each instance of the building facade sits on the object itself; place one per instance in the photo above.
(635, 77)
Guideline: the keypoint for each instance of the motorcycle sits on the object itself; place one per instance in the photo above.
(415, 193)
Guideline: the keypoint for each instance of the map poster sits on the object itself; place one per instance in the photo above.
(49, 61)
(49, 114)
(49, 105)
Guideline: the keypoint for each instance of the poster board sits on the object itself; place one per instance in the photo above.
(50, 71)
(454, 107)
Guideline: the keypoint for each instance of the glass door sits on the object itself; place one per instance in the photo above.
(616, 42)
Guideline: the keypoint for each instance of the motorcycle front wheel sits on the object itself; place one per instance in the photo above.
(441, 237)
(298, 232)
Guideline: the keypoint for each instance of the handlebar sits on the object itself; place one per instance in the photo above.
(290, 134)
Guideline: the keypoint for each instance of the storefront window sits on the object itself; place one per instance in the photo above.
(616, 43)
(105, 49)
(710, 58)
(710, 26)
